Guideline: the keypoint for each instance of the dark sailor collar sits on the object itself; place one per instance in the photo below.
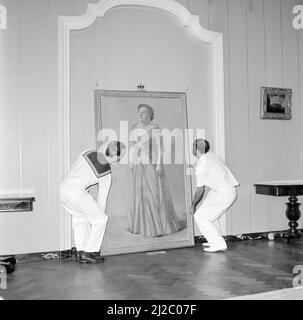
(98, 163)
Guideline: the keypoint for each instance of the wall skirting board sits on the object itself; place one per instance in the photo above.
(270, 235)
(68, 254)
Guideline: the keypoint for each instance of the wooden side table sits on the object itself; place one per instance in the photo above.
(291, 189)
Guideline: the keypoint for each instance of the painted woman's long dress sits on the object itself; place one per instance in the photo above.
(152, 212)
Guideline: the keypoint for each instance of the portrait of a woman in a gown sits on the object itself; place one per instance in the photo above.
(152, 211)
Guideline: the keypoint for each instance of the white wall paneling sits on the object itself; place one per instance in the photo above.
(256, 60)
(10, 134)
(241, 157)
(29, 122)
(217, 19)
(260, 48)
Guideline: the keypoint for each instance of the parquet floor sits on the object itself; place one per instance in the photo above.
(248, 267)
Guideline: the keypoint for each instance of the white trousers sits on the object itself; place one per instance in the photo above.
(88, 217)
(212, 208)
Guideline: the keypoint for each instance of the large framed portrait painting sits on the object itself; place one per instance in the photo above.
(149, 201)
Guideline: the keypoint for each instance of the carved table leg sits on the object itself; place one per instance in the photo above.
(293, 214)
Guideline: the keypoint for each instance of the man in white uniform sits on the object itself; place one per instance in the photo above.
(88, 216)
(213, 173)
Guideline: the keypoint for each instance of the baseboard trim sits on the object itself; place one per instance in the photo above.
(67, 254)
(250, 236)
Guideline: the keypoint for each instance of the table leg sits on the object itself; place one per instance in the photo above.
(293, 214)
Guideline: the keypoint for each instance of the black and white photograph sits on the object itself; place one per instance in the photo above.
(151, 153)
(276, 103)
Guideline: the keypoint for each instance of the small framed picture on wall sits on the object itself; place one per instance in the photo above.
(276, 103)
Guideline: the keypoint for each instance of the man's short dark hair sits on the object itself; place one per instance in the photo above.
(202, 145)
(120, 147)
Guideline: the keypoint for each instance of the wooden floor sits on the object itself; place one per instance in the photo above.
(248, 267)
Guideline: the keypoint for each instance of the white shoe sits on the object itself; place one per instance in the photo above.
(206, 244)
(215, 248)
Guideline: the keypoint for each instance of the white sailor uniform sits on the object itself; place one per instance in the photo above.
(213, 173)
(88, 216)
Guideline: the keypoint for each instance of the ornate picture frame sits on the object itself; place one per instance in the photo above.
(276, 103)
(16, 204)
(129, 230)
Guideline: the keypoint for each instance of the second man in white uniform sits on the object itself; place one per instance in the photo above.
(212, 172)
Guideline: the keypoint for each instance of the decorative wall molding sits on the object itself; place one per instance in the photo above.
(69, 23)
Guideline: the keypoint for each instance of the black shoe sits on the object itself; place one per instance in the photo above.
(9, 267)
(11, 260)
(97, 255)
(90, 257)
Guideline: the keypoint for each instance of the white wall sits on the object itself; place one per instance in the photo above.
(162, 56)
(261, 48)
(29, 121)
